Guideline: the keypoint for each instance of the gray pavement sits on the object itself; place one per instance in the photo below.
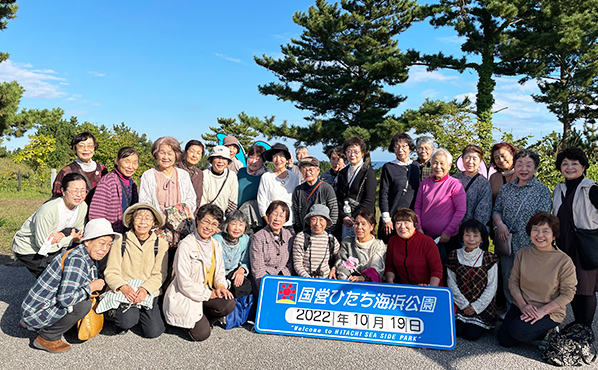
(235, 349)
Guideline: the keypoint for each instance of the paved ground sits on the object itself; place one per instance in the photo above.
(234, 349)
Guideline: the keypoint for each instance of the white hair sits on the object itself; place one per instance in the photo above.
(426, 139)
(446, 153)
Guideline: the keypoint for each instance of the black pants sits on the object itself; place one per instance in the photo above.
(36, 263)
(54, 332)
(212, 309)
(514, 330)
(584, 308)
(151, 321)
(468, 331)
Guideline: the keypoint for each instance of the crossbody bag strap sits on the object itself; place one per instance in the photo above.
(222, 187)
(471, 182)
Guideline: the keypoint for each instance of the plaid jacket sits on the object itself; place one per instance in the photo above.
(56, 291)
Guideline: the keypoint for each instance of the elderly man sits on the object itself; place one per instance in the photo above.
(312, 191)
(300, 153)
(424, 145)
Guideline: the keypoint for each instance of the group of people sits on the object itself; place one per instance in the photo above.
(189, 247)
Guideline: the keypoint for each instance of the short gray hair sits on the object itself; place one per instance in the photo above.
(426, 139)
(235, 215)
(446, 153)
(301, 148)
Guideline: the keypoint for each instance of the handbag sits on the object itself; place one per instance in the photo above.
(92, 324)
(587, 247)
(505, 248)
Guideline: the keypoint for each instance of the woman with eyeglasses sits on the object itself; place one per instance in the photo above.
(197, 296)
(356, 187)
(84, 145)
(56, 225)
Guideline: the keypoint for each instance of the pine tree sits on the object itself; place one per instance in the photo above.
(338, 69)
(244, 130)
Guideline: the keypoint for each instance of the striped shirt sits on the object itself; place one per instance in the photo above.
(315, 257)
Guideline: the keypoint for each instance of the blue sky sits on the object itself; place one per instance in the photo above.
(172, 68)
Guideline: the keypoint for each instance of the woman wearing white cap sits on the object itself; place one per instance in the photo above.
(220, 185)
(61, 295)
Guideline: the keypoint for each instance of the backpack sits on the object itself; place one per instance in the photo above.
(570, 347)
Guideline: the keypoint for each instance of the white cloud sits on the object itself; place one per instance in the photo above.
(452, 39)
(75, 97)
(97, 74)
(38, 83)
(418, 74)
(234, 60)
(512, 83)
(429, 93)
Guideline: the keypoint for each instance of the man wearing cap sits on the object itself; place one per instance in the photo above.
(233, 144)
(220, 185)
(313, 191)
(61, 295)
(314, 247)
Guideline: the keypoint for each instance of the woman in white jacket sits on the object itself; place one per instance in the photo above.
(165, 186)
(198, 293)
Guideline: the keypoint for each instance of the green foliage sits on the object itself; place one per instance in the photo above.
(482, 24)
(37, 182)
(8, 11)
(452, 124)
(63, 131)
(36, 153)
(338, 69)
(244, 130)
(556, 45)
(547, 148)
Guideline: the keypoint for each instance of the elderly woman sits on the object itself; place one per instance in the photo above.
(412, 257)
(198, 293)
(191, 157)
(575, 203)
(277, 185)
(477, 187)
(249, 177)
(441, 202)
(399, 182)
(235, 249)
(501, 157)
(117, 190)
(472, 275)
(56, 225)
(271, 248)
(313, 249)
(234, 147)
(337, 163)
(516, 203)
(220, 185)
(165, 185)
(141, 257)
(424, 146)
(84, 145)
(368, 254)
(356, 187)
(61, 295)
(542, 283)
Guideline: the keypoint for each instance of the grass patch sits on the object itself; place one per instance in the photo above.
(16, 208)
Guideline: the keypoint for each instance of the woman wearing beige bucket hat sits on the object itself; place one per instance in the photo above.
(143, 257)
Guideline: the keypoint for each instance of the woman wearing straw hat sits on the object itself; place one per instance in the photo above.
(142, 256)
(61, 295)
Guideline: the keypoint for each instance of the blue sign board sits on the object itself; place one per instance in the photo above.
(405, 315)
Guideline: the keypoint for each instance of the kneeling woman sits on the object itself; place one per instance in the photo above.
(198, 294)
(60, 297)
(368, 252)
(313, 249)
(473, 278)
(542, 283)
(141, 259)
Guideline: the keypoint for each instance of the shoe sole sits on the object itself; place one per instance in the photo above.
(37, 345)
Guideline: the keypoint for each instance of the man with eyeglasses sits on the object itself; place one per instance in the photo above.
(312, 191)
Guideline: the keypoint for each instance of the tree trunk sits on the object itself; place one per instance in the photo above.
(484, 98)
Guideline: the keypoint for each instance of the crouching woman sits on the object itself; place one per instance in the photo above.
(197, 295)
(61, 295)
